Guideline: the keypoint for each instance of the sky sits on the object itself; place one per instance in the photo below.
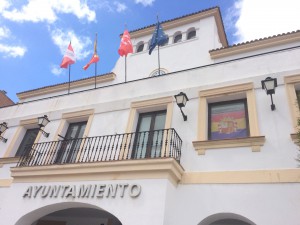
(34, 34)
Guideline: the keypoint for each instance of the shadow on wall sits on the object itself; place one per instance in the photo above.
(226, 219)
(68, 213)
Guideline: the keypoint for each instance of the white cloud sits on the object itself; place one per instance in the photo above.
(47, 10)
(259, 19)
(4, 32)
(145, 2)
(120, 6)
(79, 43)
(4, 4)
(12, 51)
(56, 70)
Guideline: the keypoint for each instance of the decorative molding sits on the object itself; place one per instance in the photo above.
(255, 45)
(215, 92)
(65, 86)
(152, 102)
(5, 182)
(243, 177)
(253, 142)
(8, 160)
(292, 79)
(82, 113)
(32, 121)
(167, 168)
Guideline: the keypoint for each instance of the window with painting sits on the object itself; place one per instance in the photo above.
(228, 120)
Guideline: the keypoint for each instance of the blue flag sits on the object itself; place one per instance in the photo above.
(159, 38)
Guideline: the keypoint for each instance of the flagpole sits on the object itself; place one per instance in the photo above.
(95, 49)
(69, 78)
(125, 68)
(95, 73)
(158, 50)
(158, 60)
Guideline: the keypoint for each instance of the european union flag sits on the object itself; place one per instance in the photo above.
(159, 38)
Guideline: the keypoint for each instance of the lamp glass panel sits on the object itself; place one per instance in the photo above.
(2, 128)
(179, 99)
(269, 85)
(43, 121)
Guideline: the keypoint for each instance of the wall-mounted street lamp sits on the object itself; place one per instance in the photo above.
(3, 127)
(181, 100)
(42, 122)
(269, 84)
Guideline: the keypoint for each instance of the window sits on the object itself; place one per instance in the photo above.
(298, 97)
(228, 120)
(166, 42)
(27, 141)
(161, 109)
(158, 72)
(191, 34)
(292, 84)
(140, 47)
(71, 144)
(177, 38)
(73, 126)
(149, 135)
(232, 99)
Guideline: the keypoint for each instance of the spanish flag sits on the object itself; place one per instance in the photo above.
(95, 57)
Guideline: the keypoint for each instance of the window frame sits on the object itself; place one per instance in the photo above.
(177, 34)
(210, 105)
(20, 152)
(290, 83)
(141, 43)
(189, 32)
(15, 142)
(255, 141)
(149, 105)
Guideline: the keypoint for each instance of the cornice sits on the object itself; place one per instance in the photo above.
(65, 86)
(161, 168)
(255, 45)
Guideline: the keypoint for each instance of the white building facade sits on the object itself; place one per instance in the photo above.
(121, 153)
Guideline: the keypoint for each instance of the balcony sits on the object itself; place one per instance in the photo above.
(163, 143)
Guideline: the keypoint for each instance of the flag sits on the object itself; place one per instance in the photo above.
(69, 57)
(125, 45)
(158, 38)
(95, 57)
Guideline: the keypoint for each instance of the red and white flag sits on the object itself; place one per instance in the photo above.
(125, 45)
(69, 57)
(95, 57)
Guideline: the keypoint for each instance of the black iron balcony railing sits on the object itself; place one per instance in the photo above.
(139, 145)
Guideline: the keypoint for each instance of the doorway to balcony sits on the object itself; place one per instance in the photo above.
(70, 146)
(149, 135)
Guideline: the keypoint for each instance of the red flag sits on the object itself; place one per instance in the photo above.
(69, 57)
(125, 45)
(95, 57)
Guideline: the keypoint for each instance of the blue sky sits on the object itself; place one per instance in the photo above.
(34, 34)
